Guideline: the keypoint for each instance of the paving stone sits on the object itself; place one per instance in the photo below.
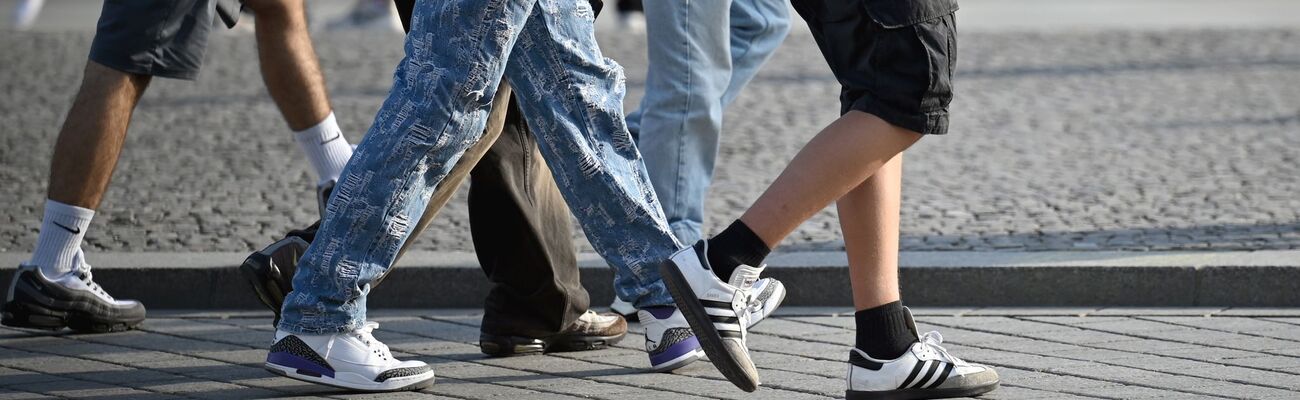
(1250, 326)
(1187, 311)
(54, 387)
(468, 389)
(396, 396)
(17, 395)
(1025, 311)
(1263, 312)
(11, 377)
(1040, 355)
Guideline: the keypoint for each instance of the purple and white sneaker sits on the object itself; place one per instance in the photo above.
(668, 338)
(350, 360)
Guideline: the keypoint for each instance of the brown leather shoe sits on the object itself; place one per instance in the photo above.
(592, 331)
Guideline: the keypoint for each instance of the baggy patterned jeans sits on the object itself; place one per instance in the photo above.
(572, 97)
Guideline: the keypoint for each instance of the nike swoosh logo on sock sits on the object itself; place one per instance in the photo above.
(73, 231)
(336, 137)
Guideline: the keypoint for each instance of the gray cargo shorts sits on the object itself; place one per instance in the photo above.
(164, 38)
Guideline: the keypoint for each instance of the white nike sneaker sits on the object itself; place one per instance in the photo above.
(925, 371)
(765, 294)
(717, 312)
(73, 300)
(351, 360)
(668, 339)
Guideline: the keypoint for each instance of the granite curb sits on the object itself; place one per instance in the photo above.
(210, 280)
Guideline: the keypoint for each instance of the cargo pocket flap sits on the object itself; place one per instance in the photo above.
(893, 14)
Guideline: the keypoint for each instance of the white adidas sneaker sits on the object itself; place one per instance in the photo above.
(925, 371)
(717, 312)
(351, 360)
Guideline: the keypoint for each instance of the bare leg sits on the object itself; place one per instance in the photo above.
(869, 219)
(836, 161)
(90, 141)
(289, 65)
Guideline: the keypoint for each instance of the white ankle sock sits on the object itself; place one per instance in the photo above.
(60, 239)
(326, 148)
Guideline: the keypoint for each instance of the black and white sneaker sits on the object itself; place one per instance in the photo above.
(925, 371)
(717, 312)
(351, 360)
(73, 300)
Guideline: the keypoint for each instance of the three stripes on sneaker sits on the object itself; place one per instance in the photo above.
(723, 317)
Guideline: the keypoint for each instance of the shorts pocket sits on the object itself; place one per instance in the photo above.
(894, 14)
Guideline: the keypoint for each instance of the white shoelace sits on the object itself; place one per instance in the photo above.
(933, 339)
(364, 333)
(83, 272)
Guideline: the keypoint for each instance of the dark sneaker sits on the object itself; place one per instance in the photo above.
(351, 360)
(591, 331)
(717, 312)
(668, 339)
(270, 270)
(925, 371)
(73, 300)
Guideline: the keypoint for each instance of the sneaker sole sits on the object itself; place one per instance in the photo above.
(34, 316)
(679, 362)
(510, 346)
(726, 362)
(917, 394)
(291, 373)
(572, 343)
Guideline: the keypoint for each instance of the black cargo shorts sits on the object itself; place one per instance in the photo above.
(893, 58)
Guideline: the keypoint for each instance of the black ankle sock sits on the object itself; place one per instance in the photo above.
(736, 245)
(883, 331)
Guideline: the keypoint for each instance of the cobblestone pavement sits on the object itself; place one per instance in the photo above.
(1141, 140)
(1040, 354)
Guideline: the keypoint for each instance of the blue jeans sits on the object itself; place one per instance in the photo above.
(701, 52)
(571, 96)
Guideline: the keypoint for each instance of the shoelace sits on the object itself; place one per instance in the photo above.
(364, 333)
(83, 273)
(755, 304)
(933, 339)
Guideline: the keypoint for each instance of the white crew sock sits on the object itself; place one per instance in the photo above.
(326, 148)
(60, 239)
